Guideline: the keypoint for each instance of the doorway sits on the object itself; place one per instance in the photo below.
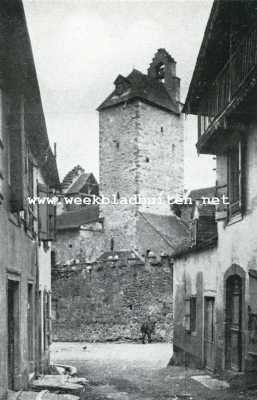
(234, 323)
(209, 333)
(13, 331)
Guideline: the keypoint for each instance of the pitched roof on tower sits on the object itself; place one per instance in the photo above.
(159, 87)
(140, 86)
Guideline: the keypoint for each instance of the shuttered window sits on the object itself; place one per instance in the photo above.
(16, 153)
(30, 211)
(236, 178)
(46, 215)
(190, 314)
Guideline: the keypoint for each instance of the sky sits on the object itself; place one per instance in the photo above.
(81, 46)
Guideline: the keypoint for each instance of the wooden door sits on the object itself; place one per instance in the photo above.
(13, 332)
(234, 323)
(209, 333)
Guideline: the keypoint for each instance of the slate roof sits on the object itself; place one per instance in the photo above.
(79, 183)
(74, 219)
(70, 176)
(171, 229)
(207, 233)
(141, 86)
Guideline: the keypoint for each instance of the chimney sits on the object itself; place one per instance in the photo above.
(163, 68)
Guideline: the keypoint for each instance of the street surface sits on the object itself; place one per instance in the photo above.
(126, 371)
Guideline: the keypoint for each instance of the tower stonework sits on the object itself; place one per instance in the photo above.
(141, 150)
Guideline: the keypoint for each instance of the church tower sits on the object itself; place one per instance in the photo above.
(141, 150)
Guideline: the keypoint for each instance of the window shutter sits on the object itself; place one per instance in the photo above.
(16, 156)
(243, 176)
(187, 315)
(46, 216)
(42, 192)
(51, 220)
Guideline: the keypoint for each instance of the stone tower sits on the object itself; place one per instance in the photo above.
(141, 149)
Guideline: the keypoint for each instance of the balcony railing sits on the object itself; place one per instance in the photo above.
(229, 80)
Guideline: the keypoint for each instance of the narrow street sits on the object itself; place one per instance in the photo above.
(125, 371)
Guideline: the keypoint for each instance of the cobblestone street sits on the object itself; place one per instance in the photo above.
(124, 371)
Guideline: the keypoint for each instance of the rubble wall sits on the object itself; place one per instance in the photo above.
(109, 302)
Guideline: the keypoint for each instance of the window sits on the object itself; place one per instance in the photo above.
(46, 215)
(190, 314)
(117, 145)
(147, 159)
(53, 258)
(16, 152)
(160, 72)
(30, 191)
(236, 159)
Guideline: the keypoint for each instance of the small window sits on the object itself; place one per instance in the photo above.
(53, 258)
(118, 196)
(162, 130)
(173, 149)
(117, 145)
(147, 159)
(160, 72)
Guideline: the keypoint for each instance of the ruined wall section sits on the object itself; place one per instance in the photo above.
(109, 302)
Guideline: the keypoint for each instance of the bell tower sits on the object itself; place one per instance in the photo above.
(141, 148)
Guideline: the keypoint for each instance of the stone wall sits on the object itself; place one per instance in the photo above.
(118, 151)
(85, 244)
(109, 302)
(141, 153)
(160, 156)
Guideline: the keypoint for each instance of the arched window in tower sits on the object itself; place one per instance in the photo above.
(160, 72)
(118, 196)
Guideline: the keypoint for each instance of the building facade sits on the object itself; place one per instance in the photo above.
(221, 283)
(27, 168)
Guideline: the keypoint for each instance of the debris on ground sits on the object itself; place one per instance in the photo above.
(42, 395)
(210, 382)
(60, 383)
(60, 369)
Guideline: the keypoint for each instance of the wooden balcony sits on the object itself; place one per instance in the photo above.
(232, 82)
